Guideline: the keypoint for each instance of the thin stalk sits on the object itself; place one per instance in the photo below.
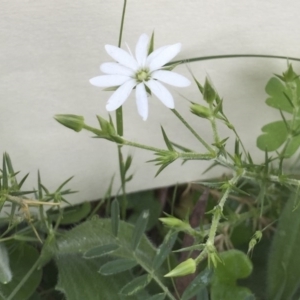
(151, 272)
(202, 58)
(119, 122)
(210, 149)
(24, 279)
(213, 123)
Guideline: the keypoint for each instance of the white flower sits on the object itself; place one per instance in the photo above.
(139, 72)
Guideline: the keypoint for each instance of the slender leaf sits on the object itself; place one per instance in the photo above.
(5, 271)
(139, 229)
(164, 249)
(136, 285)
(100, 251)
(115, 217)
(117, 266)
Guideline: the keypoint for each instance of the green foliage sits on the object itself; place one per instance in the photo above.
(284, 260)
(235, 265)
(21, 259)
(283, 96)
(90, 238)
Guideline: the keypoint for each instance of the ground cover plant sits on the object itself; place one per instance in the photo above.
(231, 237)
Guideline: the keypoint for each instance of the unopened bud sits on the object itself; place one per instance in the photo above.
(175, 224)
(200, 111)
(187, 267)
(71, 121)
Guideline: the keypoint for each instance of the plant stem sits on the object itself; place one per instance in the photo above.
(119, 121)
(202, 58)
(158, 281)
(24, 279)
(210, 149)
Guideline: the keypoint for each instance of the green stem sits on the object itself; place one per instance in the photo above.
(158, 281)
(202, 58)
(24, 279)
(217, 216)
(119, 122)
(213, 123)
(192, 130)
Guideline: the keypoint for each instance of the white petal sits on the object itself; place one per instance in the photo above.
(109, 80)
(121, 56)
(171, 78)
(115, 69)
(120, 95)
(141, 49)
(142, 101)
(161, 93)
(153, 54)
(164, 56)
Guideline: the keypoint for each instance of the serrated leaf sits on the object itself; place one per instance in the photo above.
(164, 249)
(5, 271)
(139, 229)
(199, 282)
(135, 285)
(117, 266)
(100, 251)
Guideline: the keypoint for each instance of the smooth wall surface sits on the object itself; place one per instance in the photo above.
(50, 49)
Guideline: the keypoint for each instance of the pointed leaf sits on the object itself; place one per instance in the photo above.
(164, 249)
(115, 217)
(167, 141)
(136, 285)
(202, 280)
(139, 229)
(100, 251)
(117, 266)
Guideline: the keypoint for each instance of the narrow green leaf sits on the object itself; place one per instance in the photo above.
(151, 44)
(200, 282)
(117, 266)
(164, 249)
(100, 251)
(63, 184)
(115, 217)
(4, 174)
(5, 271)
(135, 285)
(160, 296)
(40, 189)
(139, 229)
(167, 141)
(284, 260)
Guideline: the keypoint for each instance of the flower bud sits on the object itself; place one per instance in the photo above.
(71, 121)
(209, 93)
(187, 267)
(175, 224)
(200, 111)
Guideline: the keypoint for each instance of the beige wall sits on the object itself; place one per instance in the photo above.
(50, 49)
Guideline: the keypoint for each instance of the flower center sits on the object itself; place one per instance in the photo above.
(142, 75)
